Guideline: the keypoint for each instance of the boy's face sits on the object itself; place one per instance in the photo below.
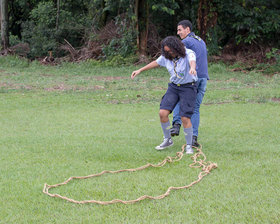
(183, 32)
(169, 51)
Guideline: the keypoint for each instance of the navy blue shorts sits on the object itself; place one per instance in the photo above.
(185, 93)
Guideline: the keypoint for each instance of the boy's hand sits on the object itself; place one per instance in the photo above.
(192, 71)
(134, 73)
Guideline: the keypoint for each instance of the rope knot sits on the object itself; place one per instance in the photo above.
(214, 165)
(179, 154)
(169, 159)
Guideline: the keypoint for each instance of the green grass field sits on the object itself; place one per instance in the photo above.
(81, 119)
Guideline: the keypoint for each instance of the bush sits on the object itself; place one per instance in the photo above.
(250, 21)
(123, 43)
(42, 33)
(39, 31)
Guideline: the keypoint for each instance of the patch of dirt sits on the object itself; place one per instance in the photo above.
(218, 103)
(109, 78)
(98, 87)
(60, 87)
(63, 87)
(275, 99)
(160, 88)
(232, 80)
(15, 86)
(9, 74)
(47, 75)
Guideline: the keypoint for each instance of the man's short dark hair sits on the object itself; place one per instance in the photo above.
(185, 24)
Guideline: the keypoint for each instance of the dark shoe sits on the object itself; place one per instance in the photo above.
(175, 130)
(194, 142)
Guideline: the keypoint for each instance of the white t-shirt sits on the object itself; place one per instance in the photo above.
(179, 69)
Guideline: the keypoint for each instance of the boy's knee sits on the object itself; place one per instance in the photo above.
(186, 122)
(163, 114)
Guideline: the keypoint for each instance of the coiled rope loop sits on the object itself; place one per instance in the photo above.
(199, 161)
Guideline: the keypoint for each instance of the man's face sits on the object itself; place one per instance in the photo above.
(183, 32)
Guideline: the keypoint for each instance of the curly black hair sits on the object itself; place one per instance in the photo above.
(175, 45)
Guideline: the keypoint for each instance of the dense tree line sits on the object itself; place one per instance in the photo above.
(106, 28)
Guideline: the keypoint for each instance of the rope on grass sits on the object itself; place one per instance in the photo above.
(199, 161)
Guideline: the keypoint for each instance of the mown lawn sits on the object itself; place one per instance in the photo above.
(76, 120)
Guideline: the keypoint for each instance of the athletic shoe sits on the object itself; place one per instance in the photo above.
(175, 130)
(194, 141)
(167, 142)
(189, 149)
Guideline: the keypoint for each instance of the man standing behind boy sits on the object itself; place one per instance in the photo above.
(195, 43)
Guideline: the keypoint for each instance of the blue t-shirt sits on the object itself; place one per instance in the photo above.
(196, 44)
(179, 68)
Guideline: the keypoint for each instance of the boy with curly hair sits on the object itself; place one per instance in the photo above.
(180, 63)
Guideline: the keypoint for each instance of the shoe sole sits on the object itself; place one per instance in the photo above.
(159, 149)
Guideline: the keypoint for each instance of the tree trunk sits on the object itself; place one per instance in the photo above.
(142, 24)
(104, 15)
(207, 17)
(4, 25)
(57, 14)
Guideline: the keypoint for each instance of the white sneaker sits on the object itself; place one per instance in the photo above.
(167, 142)
(189, 149)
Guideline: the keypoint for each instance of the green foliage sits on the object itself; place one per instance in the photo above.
(14, 40)
(34, 22)
(274, 53)
(166, 6)
(43, 34)
(212, 40)
(164, 16)
(123, 44)
(274, 67)
(40, 31)
(112, 61)
(44, 13)
(119, 60)
(251, 21)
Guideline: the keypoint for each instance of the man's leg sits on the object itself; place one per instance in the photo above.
(195, 119)
(175, 130)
